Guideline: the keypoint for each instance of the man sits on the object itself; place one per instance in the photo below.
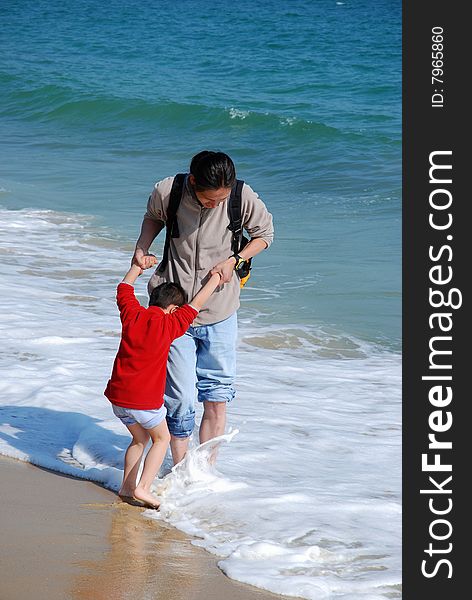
(207, 352)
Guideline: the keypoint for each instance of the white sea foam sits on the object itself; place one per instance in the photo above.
(237, 113)
(304, 499)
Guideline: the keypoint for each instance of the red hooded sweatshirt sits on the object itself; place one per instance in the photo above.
(139, 372)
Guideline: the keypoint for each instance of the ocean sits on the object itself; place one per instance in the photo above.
(101, 100)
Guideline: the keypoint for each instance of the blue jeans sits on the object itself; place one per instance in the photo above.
(203, 358)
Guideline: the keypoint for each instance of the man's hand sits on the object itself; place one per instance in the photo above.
(142, 260)
(225, 269)
(135, 271)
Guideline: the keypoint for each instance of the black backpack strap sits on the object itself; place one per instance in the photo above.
(234, 209)
(172, 227)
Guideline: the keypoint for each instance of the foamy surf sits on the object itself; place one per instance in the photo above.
(304, 500)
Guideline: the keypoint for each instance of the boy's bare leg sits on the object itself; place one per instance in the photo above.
(133, 457)
(160, 441)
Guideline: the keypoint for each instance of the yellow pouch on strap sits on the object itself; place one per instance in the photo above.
(243, 280)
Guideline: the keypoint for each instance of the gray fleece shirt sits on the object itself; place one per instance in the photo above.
(204, 241)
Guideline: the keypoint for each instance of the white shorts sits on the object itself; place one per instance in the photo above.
(146, 418)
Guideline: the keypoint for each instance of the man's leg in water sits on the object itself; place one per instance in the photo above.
(178, 447)
(180, 393)
(209, 351)
(213, 421)
(216, 371)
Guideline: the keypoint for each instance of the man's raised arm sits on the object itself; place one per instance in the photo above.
(150, 228)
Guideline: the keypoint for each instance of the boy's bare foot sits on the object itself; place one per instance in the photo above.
(132, 501)
(125, 494)
(146, 497)
(128, 497)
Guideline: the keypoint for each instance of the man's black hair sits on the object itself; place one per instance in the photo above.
(166, 294)
(212, 170)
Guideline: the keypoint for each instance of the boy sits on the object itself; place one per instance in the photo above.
(136, 387)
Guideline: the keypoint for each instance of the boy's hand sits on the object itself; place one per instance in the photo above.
(135, 271)
(215, 278)
(142, 260)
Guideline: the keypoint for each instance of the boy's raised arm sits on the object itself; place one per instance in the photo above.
(181, 319)
(207, 290)
(125, 298)
(133, 273)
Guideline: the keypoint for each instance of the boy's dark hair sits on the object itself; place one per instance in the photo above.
(212, 170)
(166, 294)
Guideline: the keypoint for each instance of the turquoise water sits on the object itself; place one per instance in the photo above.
(100, 100)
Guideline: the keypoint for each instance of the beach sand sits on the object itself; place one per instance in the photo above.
(68, 539)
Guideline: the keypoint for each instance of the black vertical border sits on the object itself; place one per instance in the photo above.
(427, 129)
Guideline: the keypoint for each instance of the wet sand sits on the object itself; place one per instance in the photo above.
(68, 539)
